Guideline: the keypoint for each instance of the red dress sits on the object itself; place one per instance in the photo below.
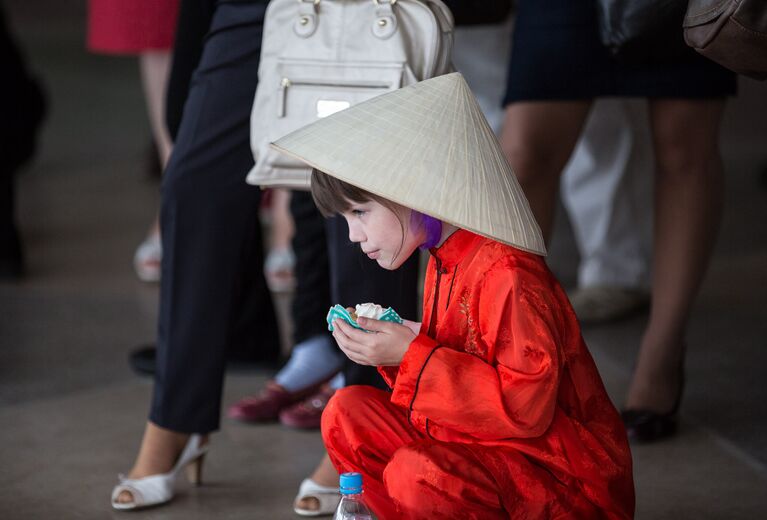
(131, 26)
(497, 409)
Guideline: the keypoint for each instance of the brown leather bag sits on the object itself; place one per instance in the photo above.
(732, 33)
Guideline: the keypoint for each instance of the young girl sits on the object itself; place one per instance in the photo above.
(497, 409)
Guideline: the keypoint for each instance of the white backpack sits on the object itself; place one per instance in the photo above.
(322, 56)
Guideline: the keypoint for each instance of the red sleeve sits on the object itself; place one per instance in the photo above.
(416, 354)
(389, 374)
(515, 394)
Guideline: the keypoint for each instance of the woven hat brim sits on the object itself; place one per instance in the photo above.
(410, 205)
(427, 147)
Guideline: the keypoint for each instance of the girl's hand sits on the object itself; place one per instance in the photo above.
(384, 345)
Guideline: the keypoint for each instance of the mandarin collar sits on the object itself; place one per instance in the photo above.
(454, 249)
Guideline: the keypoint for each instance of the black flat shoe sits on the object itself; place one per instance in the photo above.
(644, 426)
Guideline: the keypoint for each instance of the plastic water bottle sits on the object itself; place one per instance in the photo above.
(352, 505)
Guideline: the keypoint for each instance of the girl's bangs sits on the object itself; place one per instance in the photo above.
(333, 196)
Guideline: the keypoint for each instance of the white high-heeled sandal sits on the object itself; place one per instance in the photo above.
(278, 270)
(158, 489)
(328, 498)
(147, 259)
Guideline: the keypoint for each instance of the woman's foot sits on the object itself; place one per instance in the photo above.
(159, 452)
(279, 270)
(655, 393)
(318, 495)
(307, 414)
(148, 258)
(267, 405)
(657, 380)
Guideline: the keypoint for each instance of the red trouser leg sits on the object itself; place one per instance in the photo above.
(431, 479)
(362, 430)
(405, 475)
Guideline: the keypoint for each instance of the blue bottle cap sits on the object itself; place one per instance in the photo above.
(350, 483)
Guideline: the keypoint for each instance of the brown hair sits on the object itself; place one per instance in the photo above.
(333, 196)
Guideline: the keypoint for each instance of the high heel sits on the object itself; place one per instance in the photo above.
(646, 426)
(158, 489)
(193, 471)
(147, 259)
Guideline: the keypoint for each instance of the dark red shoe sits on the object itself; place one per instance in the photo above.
(307, 415)
(266, 406)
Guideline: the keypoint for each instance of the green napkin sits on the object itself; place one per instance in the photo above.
(339, 312)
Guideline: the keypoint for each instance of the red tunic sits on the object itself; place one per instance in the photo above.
(497, 409)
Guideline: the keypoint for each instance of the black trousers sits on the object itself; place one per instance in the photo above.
(22, 108)
(330, 269)
(213, 296)
(311, 298)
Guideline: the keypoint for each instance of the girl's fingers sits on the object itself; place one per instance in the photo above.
(346, 343)
(343, 331)
(338, 334)
(373, 325)
(353, 342)
(354, 356)
(357, 335)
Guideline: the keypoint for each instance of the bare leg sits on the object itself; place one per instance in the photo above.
(155, 68)
(324, 475)
(158, 453)
(280, 263)
(538, 139)
(688, 204)
(282, 222)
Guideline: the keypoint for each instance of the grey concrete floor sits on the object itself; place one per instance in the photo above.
(72, 412)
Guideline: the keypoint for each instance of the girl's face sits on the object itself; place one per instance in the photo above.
(386, 236)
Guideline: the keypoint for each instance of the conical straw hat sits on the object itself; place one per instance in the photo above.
(428, 147)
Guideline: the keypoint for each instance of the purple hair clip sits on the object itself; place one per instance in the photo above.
(433, 229)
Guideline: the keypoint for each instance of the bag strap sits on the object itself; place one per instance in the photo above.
(306, 23)
(384, 25)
